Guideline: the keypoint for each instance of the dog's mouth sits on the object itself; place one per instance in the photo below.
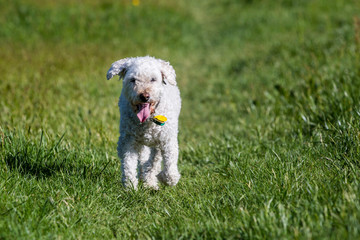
(144, 110)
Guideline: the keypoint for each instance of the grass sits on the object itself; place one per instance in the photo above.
(269, 128)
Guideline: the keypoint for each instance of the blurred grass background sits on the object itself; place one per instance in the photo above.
(269, 128)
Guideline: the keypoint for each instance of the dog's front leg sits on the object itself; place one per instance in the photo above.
(170, 152)
(129, 158)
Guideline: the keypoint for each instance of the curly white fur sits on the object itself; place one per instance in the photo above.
(145, 143)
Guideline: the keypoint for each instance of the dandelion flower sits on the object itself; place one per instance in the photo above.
(135, 2)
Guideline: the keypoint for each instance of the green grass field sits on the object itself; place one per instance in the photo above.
(269, 129)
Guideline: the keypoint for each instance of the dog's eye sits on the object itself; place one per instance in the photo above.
(132, 80)
(153, 80)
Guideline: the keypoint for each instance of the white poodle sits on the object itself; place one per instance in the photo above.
(149, 89)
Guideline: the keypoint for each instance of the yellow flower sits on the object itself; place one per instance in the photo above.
(135, 2)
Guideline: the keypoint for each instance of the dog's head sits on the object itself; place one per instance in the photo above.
(144, 80)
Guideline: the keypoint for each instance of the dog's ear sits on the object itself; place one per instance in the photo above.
(167, 72)
(119, 68)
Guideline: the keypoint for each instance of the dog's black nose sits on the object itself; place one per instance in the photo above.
(144, 97)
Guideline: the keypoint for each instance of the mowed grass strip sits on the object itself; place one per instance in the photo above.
(269, 129)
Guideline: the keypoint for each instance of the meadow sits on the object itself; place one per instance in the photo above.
(269, 129)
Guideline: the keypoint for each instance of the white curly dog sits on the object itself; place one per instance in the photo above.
(149, 89)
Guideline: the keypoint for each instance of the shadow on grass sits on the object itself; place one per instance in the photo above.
(25, 166)
(43, 161)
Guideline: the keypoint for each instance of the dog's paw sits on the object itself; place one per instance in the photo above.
(170, 179)
(150, 181)
(151, 185)
(130, 185)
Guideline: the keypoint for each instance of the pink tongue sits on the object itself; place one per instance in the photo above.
(143, 111)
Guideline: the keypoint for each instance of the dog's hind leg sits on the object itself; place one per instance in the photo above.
(144, 157)
(151, 169)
